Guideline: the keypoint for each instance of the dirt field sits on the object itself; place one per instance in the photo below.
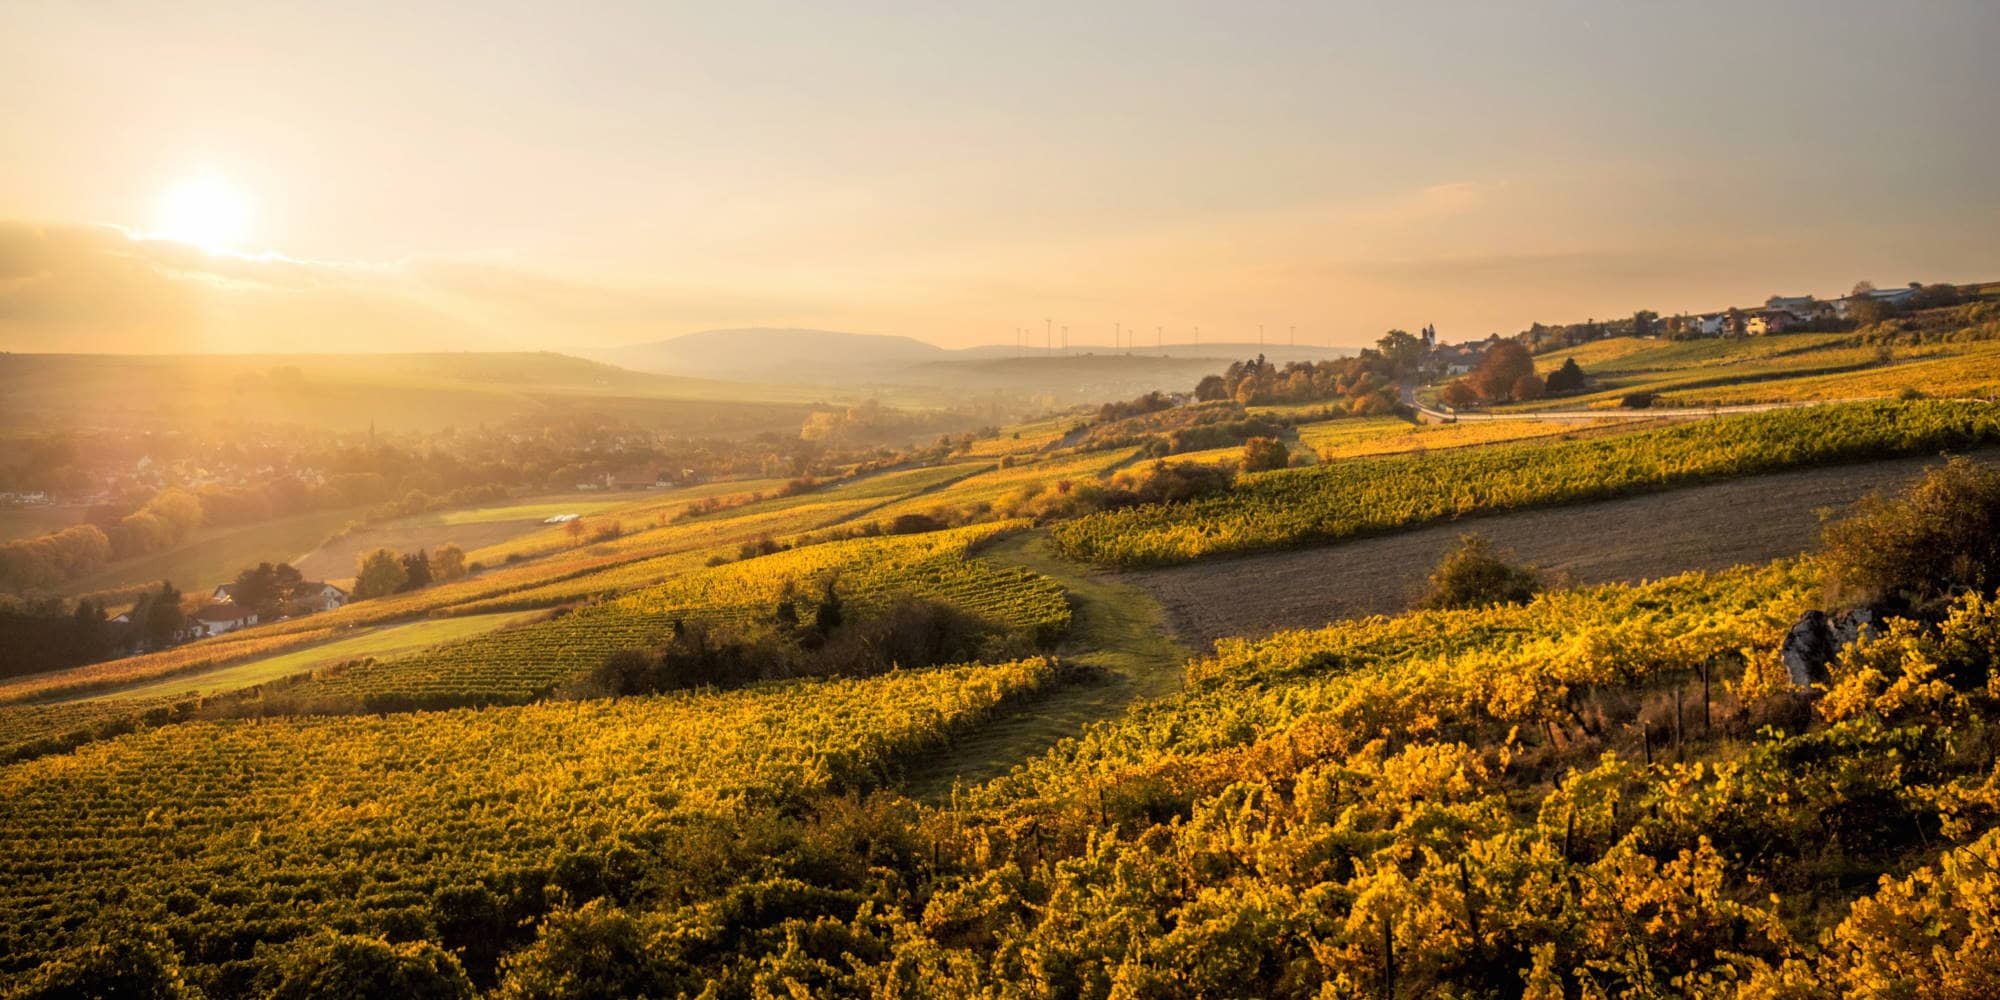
(1645, 537)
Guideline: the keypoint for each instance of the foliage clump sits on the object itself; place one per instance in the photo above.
(832, 641)
(1911, 552)
(1474, 575)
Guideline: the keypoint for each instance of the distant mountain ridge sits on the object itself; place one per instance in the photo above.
(823, 356)
(775, 354)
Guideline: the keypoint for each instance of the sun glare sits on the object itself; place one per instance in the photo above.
(207, 212)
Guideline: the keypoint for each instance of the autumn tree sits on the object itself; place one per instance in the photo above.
(380, 574)
(1403, 351)
(1528, 387)
(447, 563)
(1459, 393)
(1499, 369)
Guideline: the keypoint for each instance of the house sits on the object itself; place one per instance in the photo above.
(1457, 359)
(1709, 324)
(224, 594)
(1765, 321)
(1894, 297)
(314, 596)
(1802, 308)
(219, 618)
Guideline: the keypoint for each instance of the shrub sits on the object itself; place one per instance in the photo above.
(1473, 575)
(914, 524)
(347, 965)
(1459, 394)
(1568, 378)
(1261, 454)
(139, 968)
(1912, 551)
(1529, 387)
(1638, 400)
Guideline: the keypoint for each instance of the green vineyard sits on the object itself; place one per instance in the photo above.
(1345, 499)
(528, 661)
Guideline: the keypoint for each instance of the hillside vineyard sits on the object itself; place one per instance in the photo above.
(860, 720)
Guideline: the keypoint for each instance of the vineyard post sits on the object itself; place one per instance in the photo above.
(1388, 957)
(1707, 668)
(1471, 908)
(1679, 730)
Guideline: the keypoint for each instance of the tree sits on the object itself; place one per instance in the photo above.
(1403, 351)
(1645, 323)
(447, 563)
(1502, 365)
(1934, 296)
(265, 588)
(1261, 454)
(575, 531)
(416, 570)
(1528, 387)
(159, 617)
(1474, 575)
(1568, 378)
(786, 614)
(1459, 393)
(380, 574)
(830, 611)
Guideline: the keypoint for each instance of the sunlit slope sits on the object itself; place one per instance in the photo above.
(1348, 498)
(367, 821)
(353, 392)
(1774, 369)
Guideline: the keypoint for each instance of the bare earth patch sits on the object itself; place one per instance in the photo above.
(1637, 538)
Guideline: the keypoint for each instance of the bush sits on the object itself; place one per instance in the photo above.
(1262, 454)
(910, 632)
(1529, 387)
(1911, 552)
(1473, 575)
(347, 965)
(1568, 378)
(141, 968)
(914, 524)
(1459, 394)
(1638, 400)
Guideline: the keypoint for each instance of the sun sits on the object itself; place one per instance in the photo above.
(207, 212)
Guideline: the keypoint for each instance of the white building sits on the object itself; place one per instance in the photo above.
(219, 618)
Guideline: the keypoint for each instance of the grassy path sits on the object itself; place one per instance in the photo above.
(1118, 629)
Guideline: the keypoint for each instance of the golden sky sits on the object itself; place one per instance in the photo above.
(416, 174)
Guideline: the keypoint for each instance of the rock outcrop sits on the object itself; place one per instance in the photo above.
(1817, 638)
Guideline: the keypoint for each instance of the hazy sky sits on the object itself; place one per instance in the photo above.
(538, 174)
